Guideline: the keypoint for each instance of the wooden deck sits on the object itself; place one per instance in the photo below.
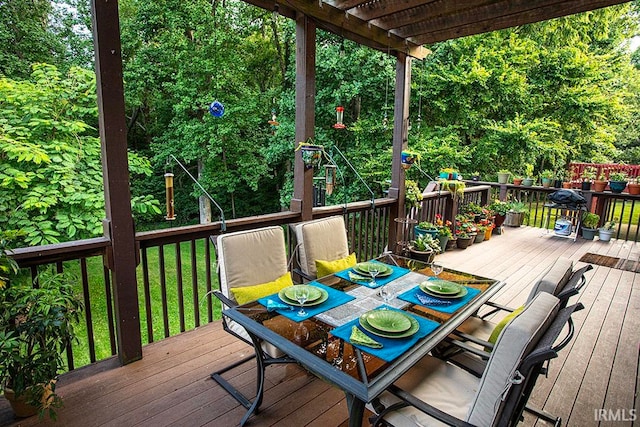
(171, 385)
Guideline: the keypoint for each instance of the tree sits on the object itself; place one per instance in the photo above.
(50, 169)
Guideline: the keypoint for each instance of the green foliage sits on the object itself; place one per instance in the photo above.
(51, 173)
(425, 242)
(36, 325)
(590, 220)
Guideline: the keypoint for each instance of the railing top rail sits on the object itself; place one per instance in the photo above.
(46, 254)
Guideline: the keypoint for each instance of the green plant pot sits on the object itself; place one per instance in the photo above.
(432, 231)
(589, 233)
(527, 182)
(503, 178)
(617, 186)
(479, 237)
(444, 240)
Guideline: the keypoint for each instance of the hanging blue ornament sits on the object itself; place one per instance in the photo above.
(216, 109)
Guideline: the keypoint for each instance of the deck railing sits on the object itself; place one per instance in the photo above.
(176, 274)
(177, 269)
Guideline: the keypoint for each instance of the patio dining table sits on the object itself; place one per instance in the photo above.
(361, 372)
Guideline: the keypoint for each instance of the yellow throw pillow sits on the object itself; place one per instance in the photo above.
(500, 326)
(324, 268)
(245, 294)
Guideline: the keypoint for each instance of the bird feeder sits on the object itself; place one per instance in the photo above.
(339, 118)
(168, 185)
(330, 178)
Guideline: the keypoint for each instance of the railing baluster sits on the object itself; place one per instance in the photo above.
(147, 294)
(194, 285)
(163, 291)
(109, 307)
(179, 285)
(87, 309)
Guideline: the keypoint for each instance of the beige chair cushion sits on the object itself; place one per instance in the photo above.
(554, 279)
(323, 239)
(248, 258)
(251, 257)
(463, 395)
(516, 339)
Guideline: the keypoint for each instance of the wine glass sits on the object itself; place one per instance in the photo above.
(302, 295)
(386, 293)
(436, 268)
(374, 270)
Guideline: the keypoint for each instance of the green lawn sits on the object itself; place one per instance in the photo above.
(98, 300)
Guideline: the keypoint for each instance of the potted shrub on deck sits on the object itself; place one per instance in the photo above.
(547, 177)
(498, 210)
(425, 227)
(36, 325)
(588, 175)
(590, 225)
(444, 232)
(503, 176)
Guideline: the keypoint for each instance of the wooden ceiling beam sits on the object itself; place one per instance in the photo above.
(490, 23)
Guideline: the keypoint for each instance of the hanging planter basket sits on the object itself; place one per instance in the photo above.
(408, 158)
(311, 154)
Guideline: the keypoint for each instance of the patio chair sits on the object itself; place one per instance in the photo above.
(249, 262)
(434, 391)
(322, 239)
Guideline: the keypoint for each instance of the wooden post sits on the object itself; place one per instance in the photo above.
(113, 137)
(302, 200)
(400, 136)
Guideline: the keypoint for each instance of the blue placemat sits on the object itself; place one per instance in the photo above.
(391, 347)
(456, 303)
(380, 281)
(335, 299)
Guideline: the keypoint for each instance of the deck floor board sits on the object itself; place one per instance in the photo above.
(170, 386)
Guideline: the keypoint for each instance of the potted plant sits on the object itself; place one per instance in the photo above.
(498, 209)
(633, 187)
(475, 176)
(412, 194)
(546, 177)
(606, 231)
(424, 248)
(36, 325)
(408, 158)
(588, 175)
(463, 239)
(617, 181)
(528, 173)
(517, 180)
(426, 227)
(503, 176)
(559, 178)
(449, 173)
(481, 229)
(600, 183)
(590, 225)
(517, 213)
(444, 232)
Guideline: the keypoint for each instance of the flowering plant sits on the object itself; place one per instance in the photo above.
(444, 227)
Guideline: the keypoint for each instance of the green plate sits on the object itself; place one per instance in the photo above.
(314, 292)
(363, 268)
(323, 297)
(412, 329)
(389, 321)
(441, 287)
(460, 294)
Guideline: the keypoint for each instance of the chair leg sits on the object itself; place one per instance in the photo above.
(539, 413)
(217, 377)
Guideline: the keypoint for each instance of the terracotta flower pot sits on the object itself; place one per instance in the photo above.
(517, 181)
(566, 185)
(599, 185)
(633, 188)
